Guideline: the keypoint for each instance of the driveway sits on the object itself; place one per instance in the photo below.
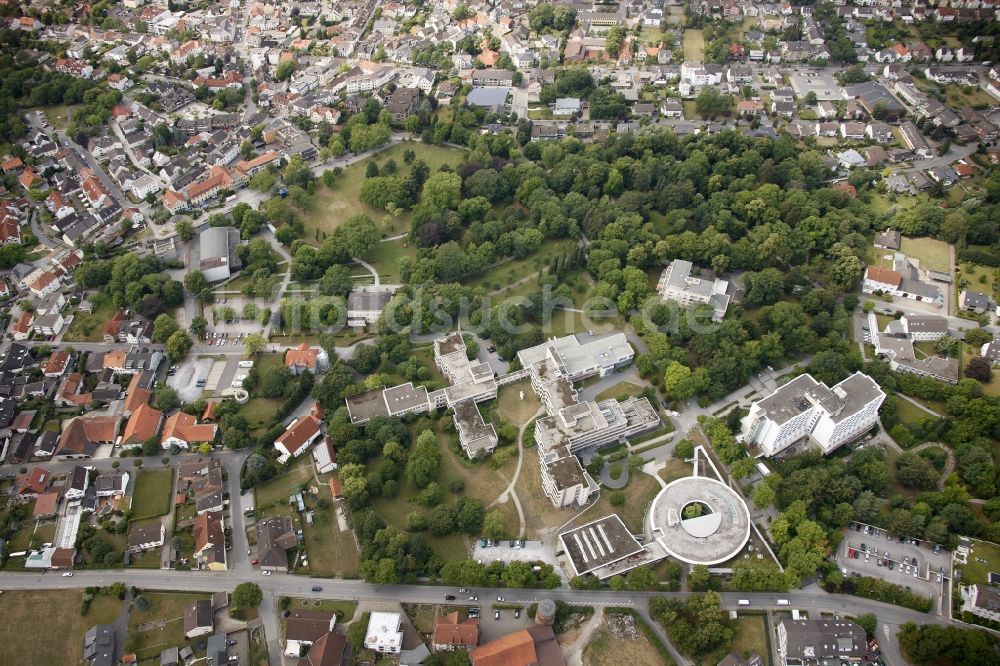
(185, 382)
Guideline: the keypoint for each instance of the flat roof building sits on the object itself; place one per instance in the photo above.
(806, 408)
(818, 642)
(217, 252)
(713, 533)
(385, 633)
(676, 284)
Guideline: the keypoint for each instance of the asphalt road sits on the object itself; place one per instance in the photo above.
(278, 584)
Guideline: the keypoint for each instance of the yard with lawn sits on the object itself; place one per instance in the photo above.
(606, 649)
(104, 609)
(60, 115)
(89, 327)
(343, 609)
(331, 552)
(977, 278)
(694, 45)
(621, 391)
(153, 493)
(278, 489)
(332, 206)
(931, 253)
(162, 626)
(512, 408)
(975, 571)
(54, 613)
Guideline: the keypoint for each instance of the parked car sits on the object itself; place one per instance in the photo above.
(317, 588)
(449, 597)
(266, 573)
(68, 574)
(496, 615)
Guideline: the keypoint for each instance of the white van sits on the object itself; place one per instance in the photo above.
(743, 602)
(782, 602)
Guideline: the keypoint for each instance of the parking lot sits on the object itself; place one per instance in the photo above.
(188, 375)
(531, 551)
(877, 554)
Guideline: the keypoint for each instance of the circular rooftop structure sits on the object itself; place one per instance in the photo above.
(699, 520)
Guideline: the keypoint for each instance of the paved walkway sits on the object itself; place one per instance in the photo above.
(612, 483)
(949, 465)
(369, 267)
(509, 491)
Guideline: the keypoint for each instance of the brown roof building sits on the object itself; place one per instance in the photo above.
(534, 646)
(183, 430)
(455, 631)
(143, 424)
(210, 540)
(84, 434)
(328, 650)
(198, 618)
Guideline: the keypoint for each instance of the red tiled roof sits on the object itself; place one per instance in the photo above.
(883, 275)
(301, 431)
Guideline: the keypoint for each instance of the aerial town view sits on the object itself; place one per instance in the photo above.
(500, 333)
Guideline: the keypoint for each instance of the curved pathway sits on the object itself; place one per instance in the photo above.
(949, 465)
(612, 483)
(369, 267)
(509, 491)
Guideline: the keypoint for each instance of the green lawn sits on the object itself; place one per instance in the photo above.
(639, 492)
(331, 552)
(750, 636)
(153, 492)
(932, 253)
(979, 278)
(694, 45)
(167, 611)
(278, 489)
(910, 413)
(334, 205)
(386, 255)
(89, 327)
(620, 391)
(259, 412)
(512, 408)
(977, 572)
(104, 609)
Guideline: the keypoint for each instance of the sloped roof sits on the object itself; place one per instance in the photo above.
(295, 437)
(184, 426)
(143, 424)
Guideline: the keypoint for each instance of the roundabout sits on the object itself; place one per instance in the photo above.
(699, 520)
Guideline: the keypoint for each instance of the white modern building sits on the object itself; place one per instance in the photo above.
(806, 408)
(677, 285)
(385, 633)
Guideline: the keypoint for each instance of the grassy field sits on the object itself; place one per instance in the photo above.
(620, 391)
(153, 491)
(59, 116)
(605, 649)
(259, 411)
(280, 487)
(694, 45)
(331, 552)
(167, 607)
(750, 636)
(334, 205)
(55, 614)
(975, 571)
(386, 255)
(932, 253)
(89, 327)
(539, 514)
(510, 406)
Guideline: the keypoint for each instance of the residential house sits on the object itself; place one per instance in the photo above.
(385, 633)
(143, 425)
(199, 619)
(274, 538)
(83, 435)
(297, 438)
(142, 538)
(455, 631)
(210, 541)
(181, 429)
(303, 357)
